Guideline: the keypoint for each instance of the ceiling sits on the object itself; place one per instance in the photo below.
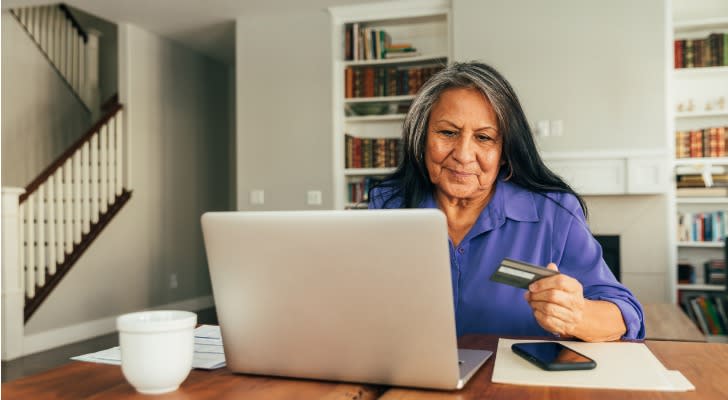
(204, 26)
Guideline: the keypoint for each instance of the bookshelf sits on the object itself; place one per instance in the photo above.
(372, 92)
(699, 108)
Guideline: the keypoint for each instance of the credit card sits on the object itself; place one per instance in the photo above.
(519, 274)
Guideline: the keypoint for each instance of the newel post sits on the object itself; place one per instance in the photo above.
(13, 298)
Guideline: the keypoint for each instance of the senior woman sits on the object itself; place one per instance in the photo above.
(468, 150)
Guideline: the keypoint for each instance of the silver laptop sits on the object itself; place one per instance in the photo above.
(359, 296)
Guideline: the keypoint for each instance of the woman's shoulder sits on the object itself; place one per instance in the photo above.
(385, 195)
(563, 202)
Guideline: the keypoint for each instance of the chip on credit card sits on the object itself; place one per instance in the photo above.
(519, 274)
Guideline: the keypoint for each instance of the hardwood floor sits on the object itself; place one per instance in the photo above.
(39, 362)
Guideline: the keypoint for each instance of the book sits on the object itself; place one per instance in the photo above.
(699, 318)
(702, 192)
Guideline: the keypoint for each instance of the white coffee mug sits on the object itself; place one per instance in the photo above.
(156, 349)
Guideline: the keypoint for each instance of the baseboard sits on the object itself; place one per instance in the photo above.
(70, 334)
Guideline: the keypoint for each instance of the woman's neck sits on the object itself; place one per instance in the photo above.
(461, 213)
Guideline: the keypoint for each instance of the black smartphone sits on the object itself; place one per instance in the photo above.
(553, 356)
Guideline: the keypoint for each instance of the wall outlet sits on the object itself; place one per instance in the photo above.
(557, 127)
(313, 198)
(257, 197)
(173, 281)
(543, 128)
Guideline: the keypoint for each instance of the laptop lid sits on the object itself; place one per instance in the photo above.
(336, 295)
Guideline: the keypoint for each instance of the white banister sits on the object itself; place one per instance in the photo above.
(29, 246)
(118, 148)
(60, 242)
(40, 237)
(95, 178)
(86, 201)
(68, 210)
(77, 218)
(112, 162)
(13, 293)
(103, 164)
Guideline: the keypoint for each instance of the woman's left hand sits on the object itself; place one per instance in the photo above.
(558, 303)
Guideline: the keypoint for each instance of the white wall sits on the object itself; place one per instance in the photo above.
(283, 73)
(177, 103)
(40, 115)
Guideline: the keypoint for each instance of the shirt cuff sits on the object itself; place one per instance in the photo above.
(631, 317)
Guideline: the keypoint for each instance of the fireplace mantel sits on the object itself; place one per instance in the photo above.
(613, 172)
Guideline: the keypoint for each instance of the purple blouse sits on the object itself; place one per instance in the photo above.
(535, 228)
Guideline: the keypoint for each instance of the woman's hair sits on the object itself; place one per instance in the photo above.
(522, 163)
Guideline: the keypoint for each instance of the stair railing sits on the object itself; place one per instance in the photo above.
(62, 210)
(72, 51)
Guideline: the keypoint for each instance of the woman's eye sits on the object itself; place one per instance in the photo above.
(483, 138)
(447, 133)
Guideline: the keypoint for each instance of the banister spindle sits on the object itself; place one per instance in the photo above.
(30, 246)
(103, 147)
(68, 210)
(40, 261)
(60, 240)
(77, 227)
(85, 203)
(117, 148)
(112, 161)
(51, 224)
(95, 178)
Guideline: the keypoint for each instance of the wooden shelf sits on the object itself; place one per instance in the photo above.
(700, 286)
(397, 61)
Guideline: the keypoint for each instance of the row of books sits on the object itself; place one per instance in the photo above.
(707, 142)
(704, 52)
(697, 181)
(713, 272)
(368, 43)
(372, 152)
(701, 226)
(358, 189)
(708, 311)
(386, 80)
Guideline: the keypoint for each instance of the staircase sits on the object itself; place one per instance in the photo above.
(49, 224)
(72, 51)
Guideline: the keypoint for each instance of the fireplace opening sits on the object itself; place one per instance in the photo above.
(610, 252)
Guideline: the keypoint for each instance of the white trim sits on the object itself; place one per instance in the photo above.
(604, 154)
(70, 334)
(388, 10)
(700, 24)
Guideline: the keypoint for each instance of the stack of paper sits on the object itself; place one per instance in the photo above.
(620, 365)
(208, 354)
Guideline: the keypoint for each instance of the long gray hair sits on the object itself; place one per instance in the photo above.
(522, 163)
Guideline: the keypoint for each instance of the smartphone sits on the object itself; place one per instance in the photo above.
(553, 356)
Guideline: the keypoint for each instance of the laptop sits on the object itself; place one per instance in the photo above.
(357, 296)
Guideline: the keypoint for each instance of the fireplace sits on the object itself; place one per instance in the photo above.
(610, 252)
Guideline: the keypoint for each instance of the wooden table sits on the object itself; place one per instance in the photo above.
(704, 364)
(669, 322)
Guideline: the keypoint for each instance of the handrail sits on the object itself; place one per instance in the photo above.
(68, 153)
(75, 23)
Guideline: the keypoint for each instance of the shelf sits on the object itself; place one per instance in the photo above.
(716, 338)
(700, 24)
(702, 200)
(702, 161)
(701, 114)
(367, 171)
(389, 61)
(707, 245)
(701, 286)
(373, 118)
(380, 99)
(701, 72)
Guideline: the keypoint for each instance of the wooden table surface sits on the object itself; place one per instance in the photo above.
(669, 322)
(704, 364)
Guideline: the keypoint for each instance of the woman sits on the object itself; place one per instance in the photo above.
(468, 150)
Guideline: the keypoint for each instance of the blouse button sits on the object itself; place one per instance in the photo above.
(461, 250)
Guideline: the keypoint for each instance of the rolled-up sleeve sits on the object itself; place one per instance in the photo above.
(581, 258)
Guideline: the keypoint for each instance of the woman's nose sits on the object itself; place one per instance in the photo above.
(464, 150)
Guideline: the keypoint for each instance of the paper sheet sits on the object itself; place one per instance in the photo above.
(620, 365)
(208, 354)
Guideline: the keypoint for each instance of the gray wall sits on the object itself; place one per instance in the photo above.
(180, 135)
(40, 115)
(283, 72)
(598, 66)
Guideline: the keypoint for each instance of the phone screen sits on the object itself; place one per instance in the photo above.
(553, 356)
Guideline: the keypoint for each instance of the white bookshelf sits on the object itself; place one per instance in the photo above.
(699, 100)
(426, 24)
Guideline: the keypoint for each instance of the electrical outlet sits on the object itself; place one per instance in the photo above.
(313, 198)
(557, 127)
(257, 197)
(173, 281)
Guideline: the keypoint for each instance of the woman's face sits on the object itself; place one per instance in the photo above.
(463, 146)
